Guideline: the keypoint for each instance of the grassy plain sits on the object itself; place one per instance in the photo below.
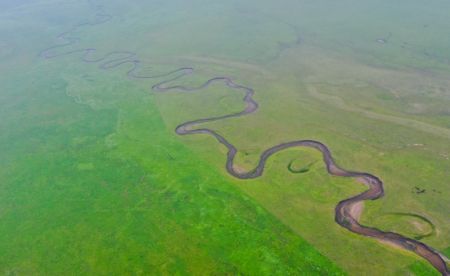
(95, 181)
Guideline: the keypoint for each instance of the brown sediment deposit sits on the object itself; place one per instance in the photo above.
(356, 210)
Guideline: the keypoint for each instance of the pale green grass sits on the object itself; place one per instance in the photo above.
(91, 165)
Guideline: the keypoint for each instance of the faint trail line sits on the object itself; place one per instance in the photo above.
(409, 123)
(344, 211)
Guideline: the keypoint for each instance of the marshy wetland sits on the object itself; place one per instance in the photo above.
(97, 181)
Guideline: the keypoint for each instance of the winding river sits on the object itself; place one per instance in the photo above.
(343, 212)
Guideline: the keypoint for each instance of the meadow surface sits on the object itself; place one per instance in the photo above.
(94, 180)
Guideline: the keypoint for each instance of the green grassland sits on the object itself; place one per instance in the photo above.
(95, 181)
(98, 185)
